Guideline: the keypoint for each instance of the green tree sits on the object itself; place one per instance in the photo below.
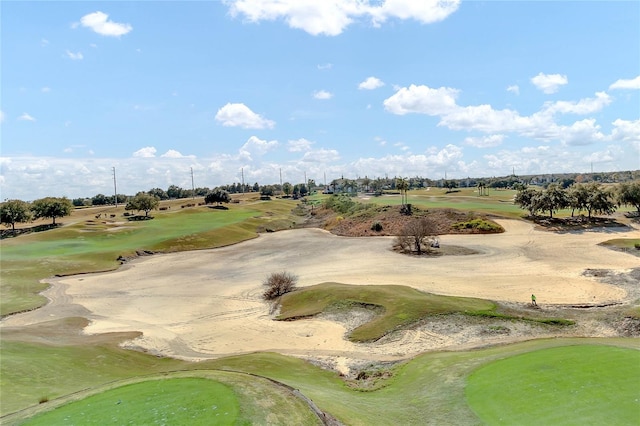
(578, 195)
(99, 200)
(143, 202)
(174, 191)
(403, 186)
(52, 207)
(553, 199)
(14, 211)
(600, 200)
(628, 194)
(526, 199)
(450, 185)
(218, 196)
(287, 188)
(159, 193)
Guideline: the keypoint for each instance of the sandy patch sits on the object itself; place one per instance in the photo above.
(206, 304)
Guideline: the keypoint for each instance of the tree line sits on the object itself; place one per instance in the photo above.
(592, 198)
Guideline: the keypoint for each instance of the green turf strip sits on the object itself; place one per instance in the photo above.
(185, 401)
(585, 385)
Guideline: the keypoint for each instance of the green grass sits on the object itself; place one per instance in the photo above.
(395, 307)
(431, 386)
(401, 305)
(586, 385)
(193, 401)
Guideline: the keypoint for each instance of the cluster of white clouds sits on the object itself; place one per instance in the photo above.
(542, 125)
(332, 17)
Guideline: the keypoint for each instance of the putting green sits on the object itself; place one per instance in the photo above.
(584, 384)
(192, 401)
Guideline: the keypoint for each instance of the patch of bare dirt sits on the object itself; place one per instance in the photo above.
(391, 219)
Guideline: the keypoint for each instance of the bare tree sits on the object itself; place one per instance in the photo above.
(279, 283)
(417, 235)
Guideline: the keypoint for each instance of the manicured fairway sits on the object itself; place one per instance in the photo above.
(584, 384)
(184, 401)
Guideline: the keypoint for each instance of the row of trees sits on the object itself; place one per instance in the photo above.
(18, 211)
(593, 198)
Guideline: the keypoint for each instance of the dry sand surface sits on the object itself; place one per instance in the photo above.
(206, 304)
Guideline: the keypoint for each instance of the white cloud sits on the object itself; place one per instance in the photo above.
(421, 99)
(2, 116)
(99, 22)
(146, 152)
(332, 17)
(74, 56)
(633, 83)
(26, 117)
(326, 66)
(626, 131)
(257, 146)
(371, 83)
(426, 11)
(381, 141)
(172, 153)
(300, 145)
(44, 42)
(583, 106)
(484, 141)
(549, 83)
(45, 89)
(515, 89)
(322, 156)
(583, 132)
(322, 94)
(239, 115)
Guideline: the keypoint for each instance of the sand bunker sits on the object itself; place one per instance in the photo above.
(205, 304)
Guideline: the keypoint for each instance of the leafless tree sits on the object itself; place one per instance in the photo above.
(417, 235)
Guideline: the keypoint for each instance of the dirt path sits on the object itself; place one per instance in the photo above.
(205, 304)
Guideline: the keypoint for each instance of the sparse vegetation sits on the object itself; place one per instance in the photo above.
(479, 225)
(376, 227)
(278, 284)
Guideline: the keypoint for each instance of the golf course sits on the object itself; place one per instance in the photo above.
(163, 321)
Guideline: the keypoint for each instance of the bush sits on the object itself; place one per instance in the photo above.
(377, 227)
(279, 283)
(637, 246)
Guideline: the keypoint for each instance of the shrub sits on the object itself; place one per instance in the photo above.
(279, 283)
(377, 227)
(637, 246)
(43, 399)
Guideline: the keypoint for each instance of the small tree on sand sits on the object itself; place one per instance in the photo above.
(279, 283)
(417, 235)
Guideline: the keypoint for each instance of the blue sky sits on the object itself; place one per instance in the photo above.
(333, 88)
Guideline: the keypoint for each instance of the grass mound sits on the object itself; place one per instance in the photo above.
(193, 401)
(584, 384)
(399, 305)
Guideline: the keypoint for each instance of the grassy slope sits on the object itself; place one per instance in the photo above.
(401, 305)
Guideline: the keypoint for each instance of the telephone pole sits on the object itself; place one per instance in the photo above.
(193, 187)
(115, 188)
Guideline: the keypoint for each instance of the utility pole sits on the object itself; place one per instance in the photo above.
(193, 187)
(115, 188)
